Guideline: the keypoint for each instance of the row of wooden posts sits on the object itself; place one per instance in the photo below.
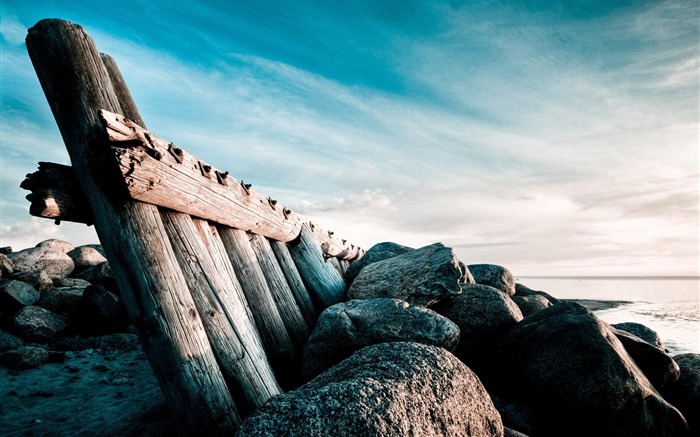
(223, 284)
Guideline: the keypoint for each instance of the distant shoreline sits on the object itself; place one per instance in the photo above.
(599, 305)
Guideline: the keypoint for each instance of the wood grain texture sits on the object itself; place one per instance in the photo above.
(275, 338)
(293, 320)
(55, 193)
(214, 289)
(324, 283)
(296, 284)
(153, 287)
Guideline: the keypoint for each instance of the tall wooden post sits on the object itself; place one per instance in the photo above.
(77, 85)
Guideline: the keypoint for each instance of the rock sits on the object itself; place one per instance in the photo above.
(684, 394)
(420, 277)
(659, 368)
(100, 274)
(118, 342)
(641, 331)
(5, 266)
(74, 343)
(86, 256)
(99, 312)
(16, 294)
(37, 324)
(62, 300)
(483, 315)
(9, 341)
(6, 250)
(347, 327)
(55, 263)
(531, 304)
(36, 278)
(378, 252)
(494, 276)
(508, 432)
(387, 389)
(70, 283)
(570, 368)
(522, 290)
(27, 357)
(60, 245)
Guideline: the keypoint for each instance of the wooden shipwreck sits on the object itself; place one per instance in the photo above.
(222, 283)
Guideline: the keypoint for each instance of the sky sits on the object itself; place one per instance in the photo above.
(550, 137)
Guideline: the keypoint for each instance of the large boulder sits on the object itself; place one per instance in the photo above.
(571, 369)
(55, 244)
(531, 304)
(63, 300)
(483, 315)
(86, 256)
(523, 290)
(9, 341)
(684, 394)
(16, 294)
(54, 262)
(645, 333)
(37, 324)
(420, 277)
(659, 368)
(36, 278)
(495, 276)
(347, 327)
(378, 252)
(99, 312)
(388, 389)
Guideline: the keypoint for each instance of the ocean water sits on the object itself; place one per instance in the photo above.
(668, 305)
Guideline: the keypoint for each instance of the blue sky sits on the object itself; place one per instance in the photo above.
(552, 137)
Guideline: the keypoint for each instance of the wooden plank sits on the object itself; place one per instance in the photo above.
(296, 284)
(277, 342)
(322, 280)
(55, 194)
(158, 172)
(282, 294)
(229, 327)
(336, 264)
(152, 285)
(344, 265)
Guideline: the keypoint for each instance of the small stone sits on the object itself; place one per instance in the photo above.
(54, 262)
(56, 244)
(9, 341)
(37, 324)
(494, 276)
(27, 357)
(16, 294)
(36, 278)
(86, 256)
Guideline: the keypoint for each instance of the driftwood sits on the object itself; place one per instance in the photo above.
(222, 283)
(154, 289)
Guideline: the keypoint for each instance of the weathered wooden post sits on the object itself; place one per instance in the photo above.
(77, 85)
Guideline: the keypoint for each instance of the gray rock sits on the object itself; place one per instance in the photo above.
(641, 331)
(378, 252)
(9, 341)
(522, 290)
(95, 274)
(5, 250)
(576, 375)
(495, 276)
(388, 389)
(420, 277)
(684, 394)
(36, 278)
(5, 266)
(531, 304)
(483, 315)
(37, 324)
(99, 312)
(659, 368)
(347, 327)
(27, 357)
(55, 263)
(16, 294)
(509, 432)
(86, 256)
(55, 244)
(70, 283)
(62, 300)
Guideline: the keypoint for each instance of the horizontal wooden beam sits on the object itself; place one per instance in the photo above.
(159, 172)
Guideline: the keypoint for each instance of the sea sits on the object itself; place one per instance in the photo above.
(668, 305)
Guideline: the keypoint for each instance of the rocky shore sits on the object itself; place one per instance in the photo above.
(424, 345)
